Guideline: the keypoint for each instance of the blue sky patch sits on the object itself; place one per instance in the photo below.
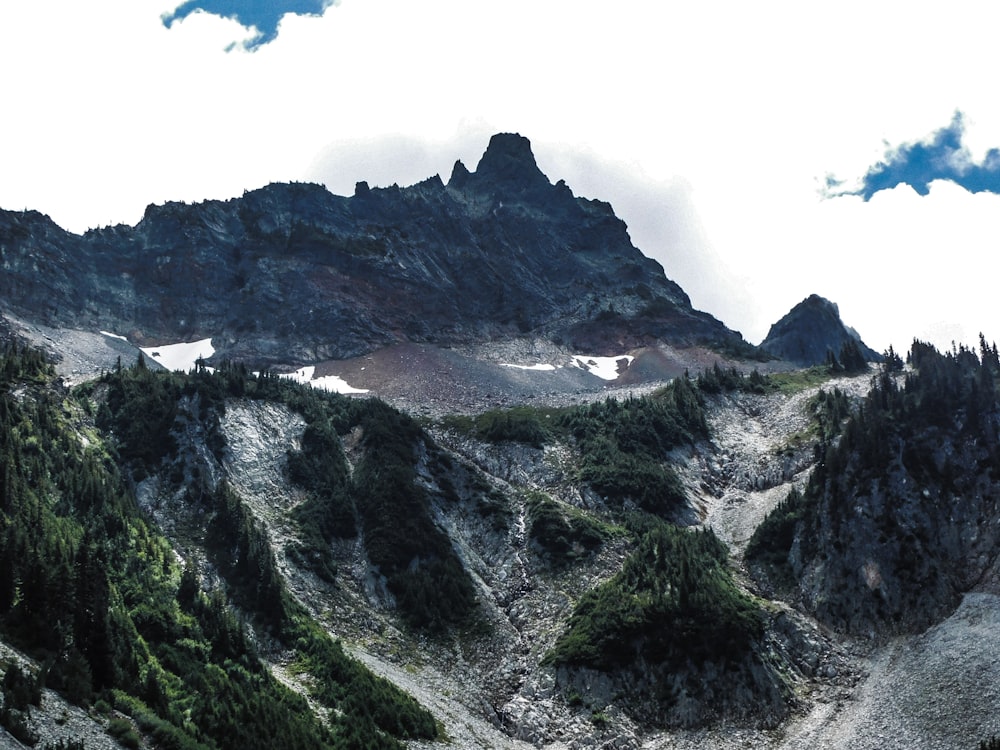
(941, 156)
(262, 14)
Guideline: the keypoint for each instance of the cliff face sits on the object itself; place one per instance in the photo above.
(293, 273)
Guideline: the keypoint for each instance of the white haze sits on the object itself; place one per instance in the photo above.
(710, 128)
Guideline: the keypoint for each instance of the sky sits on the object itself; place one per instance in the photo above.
(761, 152)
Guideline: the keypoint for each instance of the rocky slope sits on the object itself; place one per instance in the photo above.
(488, 684)
(291, 274)
(899, 518)
(493, 690)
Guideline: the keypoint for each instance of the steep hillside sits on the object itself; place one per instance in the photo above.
(291, 274)
(295, 514)
(573, 576)
(93, 592)
(899, 518)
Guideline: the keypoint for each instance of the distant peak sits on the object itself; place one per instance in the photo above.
(810, 331)
(508, 158)
(513, 145)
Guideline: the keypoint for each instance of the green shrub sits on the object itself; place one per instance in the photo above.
(422, 570)
(562, 532)
(124, 733)
(521, 424)
(772, 539)
(624, 445)
(673, 602)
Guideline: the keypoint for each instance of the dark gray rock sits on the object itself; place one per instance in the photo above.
(291, 273)
(810, 332)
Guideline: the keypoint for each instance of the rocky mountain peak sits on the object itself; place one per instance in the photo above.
(810, 331)
(292, 274)
(506, 170)
(508, 158)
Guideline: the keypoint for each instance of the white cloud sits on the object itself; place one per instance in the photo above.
(726, 113)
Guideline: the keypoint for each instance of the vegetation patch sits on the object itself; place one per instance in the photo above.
(772, 540)
(422, 570)
(329, 512)
(520, 424)
(624, 444)
(674, 633)
(563, 533)
(796, 381)
(90, 589)
(673, 602)
(719, 380)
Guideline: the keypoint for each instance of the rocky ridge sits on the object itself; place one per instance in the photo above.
(291, 274)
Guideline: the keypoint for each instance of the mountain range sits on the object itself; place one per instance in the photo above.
(559, 507)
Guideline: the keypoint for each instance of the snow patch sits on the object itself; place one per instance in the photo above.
(113, 336)
(541, 367)
(332, 383)
(606, 368)
(335, 384)
(180, 357)
(302, 375)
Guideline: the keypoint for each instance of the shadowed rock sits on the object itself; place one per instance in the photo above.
(291, 273)
(810, 332)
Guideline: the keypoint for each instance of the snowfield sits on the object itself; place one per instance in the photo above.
(180, 357)
(606, 368)
(330, 383)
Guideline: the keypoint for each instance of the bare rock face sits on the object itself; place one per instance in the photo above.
(810, 332)
(292, 273)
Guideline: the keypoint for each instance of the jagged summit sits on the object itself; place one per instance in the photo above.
(509, 160)
(459, 175)
(508, 170)
(810, 332)
(292, 274)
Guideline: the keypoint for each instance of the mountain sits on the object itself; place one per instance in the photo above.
(650, 548)
(223, 559)
(291, 274)
(811, 332)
